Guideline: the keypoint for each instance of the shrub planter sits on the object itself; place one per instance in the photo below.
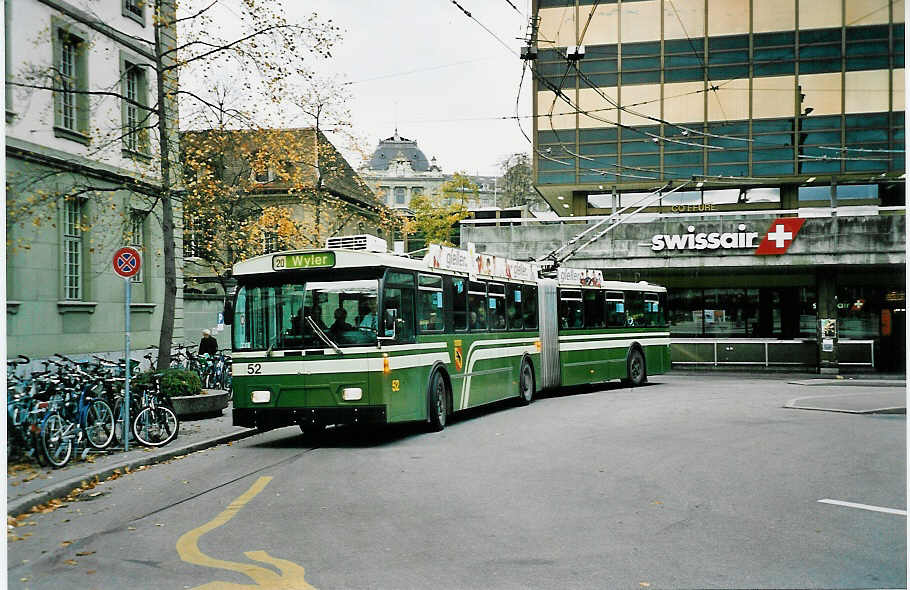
(209, 403)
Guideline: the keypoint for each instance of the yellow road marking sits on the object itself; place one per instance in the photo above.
(290, 578)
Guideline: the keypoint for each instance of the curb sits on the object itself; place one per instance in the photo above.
(62, 488)
(849, 382)
(887, 410)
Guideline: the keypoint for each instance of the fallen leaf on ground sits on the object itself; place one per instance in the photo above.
(70, 562)
(84, 553)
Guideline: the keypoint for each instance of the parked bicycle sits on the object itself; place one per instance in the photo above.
(156, 423)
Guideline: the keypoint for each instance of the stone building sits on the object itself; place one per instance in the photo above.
(398, 171)
(754, 151)
(303, 173)
(81, 175)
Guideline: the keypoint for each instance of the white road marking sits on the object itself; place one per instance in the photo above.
(864, 507)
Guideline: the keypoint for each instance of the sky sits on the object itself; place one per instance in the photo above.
(426, 67)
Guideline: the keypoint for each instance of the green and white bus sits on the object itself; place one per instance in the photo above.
(356, 335)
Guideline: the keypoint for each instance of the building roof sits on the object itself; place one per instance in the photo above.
(395, 147)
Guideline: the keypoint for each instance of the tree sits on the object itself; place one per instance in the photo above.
(435, 217)
(518, 183)
(263, 56)
(459, 189)
(252, 191)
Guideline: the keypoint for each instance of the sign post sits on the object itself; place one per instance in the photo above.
(127, 262)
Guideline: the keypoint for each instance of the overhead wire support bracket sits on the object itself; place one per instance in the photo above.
(617, 220)
(552, 255)
(647, 202)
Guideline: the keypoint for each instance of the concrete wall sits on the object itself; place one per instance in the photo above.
(840, 240)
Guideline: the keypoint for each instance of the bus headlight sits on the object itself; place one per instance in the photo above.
(351, 394)
(261, 396)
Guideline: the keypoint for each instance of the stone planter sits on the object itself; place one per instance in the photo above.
(209, 403)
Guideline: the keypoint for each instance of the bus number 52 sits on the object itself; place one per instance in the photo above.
(254, 369)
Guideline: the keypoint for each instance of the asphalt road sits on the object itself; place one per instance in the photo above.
(688, 482)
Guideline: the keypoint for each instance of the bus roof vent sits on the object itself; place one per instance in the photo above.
(364, 242)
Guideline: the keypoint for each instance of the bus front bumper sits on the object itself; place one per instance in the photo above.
(269, 418)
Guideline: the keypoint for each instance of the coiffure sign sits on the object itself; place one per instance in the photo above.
(776, 240)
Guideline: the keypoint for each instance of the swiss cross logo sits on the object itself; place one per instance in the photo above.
(780, 235)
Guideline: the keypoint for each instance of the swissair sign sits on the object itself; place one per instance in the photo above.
(776, 240)
(780, 235)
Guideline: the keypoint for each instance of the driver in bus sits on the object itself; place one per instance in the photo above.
(367, 314)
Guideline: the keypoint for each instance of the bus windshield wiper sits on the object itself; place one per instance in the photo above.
(322, 335)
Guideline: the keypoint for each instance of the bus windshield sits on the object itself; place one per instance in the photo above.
(275, 316)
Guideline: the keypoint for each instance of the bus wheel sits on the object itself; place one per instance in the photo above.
(637, 373)
(437, 402)
(525, 383)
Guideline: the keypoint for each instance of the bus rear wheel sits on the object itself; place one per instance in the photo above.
(525, 383)
(636, 367)
(437, 403)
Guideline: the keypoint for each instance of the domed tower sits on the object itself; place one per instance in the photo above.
(396, 149)
(398, 171)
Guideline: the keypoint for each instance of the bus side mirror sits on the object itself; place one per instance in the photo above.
(228, 312)
(389, 323)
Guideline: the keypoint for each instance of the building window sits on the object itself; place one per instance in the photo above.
(70, 82)
(194, 238)
(72, 249)
(773, 54)
(137, 238)
(399, 195)
(67, 81)
(270, 242)
(134, 9)
(135, 115)
(684, 60)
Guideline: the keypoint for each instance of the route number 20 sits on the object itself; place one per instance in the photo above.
(254, 369)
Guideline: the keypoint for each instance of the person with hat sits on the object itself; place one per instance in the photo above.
(208, 344)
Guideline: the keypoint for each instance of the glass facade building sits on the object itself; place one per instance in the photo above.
(794, 108)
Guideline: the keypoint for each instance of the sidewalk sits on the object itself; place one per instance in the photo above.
(29, 484)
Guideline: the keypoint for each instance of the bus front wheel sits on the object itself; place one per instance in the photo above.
(437, 403)
(636, 367)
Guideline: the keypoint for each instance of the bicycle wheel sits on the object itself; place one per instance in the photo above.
(155, 427)
(98, 424)
(55, 445)
(118, 423)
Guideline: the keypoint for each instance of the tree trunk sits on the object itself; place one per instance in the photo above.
(166, 337)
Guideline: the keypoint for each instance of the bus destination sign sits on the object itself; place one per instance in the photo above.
(302, 261)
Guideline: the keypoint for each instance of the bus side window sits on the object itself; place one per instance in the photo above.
(459, 291)
(429, 303)
(477, 306)
(594, 310)
(571, 315)
(398, 294)
(654, 310)
(513, 306)
(616, 309)
(496, 304)
(529, 305)
(635, 308)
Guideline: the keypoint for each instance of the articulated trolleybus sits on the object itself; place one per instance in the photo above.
(354, 335)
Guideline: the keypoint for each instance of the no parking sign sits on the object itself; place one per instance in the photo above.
(127, 262)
